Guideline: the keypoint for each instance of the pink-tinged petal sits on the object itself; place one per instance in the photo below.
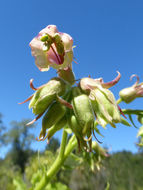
(40, 56)
(44, 59)
(53, 56)
(50, 29)
(67, 40)
(112, 83)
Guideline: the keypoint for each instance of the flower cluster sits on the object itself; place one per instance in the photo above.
(74, 107)
(63, 105)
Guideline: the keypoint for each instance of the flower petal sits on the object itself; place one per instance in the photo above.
(40, 56)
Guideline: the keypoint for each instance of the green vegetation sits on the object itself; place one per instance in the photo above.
(22, 168)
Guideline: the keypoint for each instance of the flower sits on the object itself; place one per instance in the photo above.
(52, 48)
(129, 94)
(102, 100)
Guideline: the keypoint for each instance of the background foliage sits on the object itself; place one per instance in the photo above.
(22, 168)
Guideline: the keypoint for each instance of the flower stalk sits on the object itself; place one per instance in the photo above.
(63, 154)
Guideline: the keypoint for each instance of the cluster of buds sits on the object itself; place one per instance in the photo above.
(75, 107)
(61, 103)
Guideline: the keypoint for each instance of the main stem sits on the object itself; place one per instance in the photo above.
(63, 154)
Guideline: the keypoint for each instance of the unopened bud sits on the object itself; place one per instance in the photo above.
(44, 96)
(131, 93)
(59, 125)
(77, 130)
(83, 110)
(128, 94)
(105, 107)
(52, 117)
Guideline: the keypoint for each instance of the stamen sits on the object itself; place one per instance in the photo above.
(26, 100)
(57, 56)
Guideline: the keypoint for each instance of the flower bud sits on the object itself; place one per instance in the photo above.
(99, 150)
(103, 101)
(82, 110)
(59, 125)
(105, 107)
(131, 93)
(128, 94)
(77, 130)
(52, 117)
(44, 96)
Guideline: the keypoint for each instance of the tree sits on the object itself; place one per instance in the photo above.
(2, 131)
(53, 145)
(20, 137)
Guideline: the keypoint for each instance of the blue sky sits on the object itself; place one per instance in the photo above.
(108, 36)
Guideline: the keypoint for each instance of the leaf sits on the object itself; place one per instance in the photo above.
(131, 119)
(125, 122)
(19, 184)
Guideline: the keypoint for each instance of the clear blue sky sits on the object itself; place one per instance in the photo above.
(108, 36)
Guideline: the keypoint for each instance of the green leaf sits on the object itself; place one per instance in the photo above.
(125, 122)
(19, 184)
(130, 117)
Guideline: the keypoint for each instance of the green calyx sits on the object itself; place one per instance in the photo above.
(77, 130)
(44, 96)
(54, 114)
(105, 107)
(128, 94)
(67, 74)
(83, 110)
(59, 125)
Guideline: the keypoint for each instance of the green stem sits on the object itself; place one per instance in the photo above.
(63, 154)
(119, 101)
(70, 147)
